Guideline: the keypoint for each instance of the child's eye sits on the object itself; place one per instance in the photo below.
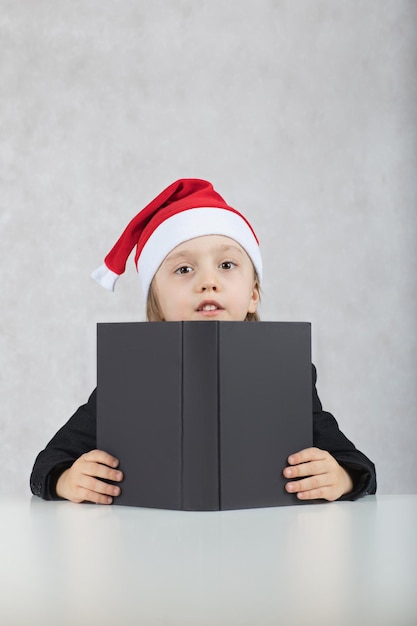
(184, 269)
(227, 265)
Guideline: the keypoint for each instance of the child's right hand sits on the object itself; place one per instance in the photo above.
(81, 482)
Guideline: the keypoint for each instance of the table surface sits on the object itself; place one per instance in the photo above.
(337, 564)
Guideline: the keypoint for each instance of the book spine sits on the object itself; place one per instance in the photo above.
(200, 427)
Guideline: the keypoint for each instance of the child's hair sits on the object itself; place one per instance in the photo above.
(154, 311)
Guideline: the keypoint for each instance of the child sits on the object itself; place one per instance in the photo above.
(198, 259)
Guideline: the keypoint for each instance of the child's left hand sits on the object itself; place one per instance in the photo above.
(321, 475)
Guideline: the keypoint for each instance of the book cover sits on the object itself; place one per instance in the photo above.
(203, 415)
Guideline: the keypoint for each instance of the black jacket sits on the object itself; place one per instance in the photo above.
(78, 436)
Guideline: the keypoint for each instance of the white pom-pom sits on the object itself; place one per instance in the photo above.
(105, 277)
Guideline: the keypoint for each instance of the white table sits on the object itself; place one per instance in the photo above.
(325, 564)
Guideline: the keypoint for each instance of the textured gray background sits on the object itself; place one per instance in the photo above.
(303, 115)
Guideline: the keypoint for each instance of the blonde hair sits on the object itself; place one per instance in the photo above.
(154, 311)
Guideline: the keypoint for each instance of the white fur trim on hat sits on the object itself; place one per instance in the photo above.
(193, 223)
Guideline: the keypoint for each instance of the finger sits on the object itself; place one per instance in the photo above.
(323, 493)
(100, 456)
(311, 468)
(312, 483)
(101, 471)
(306, 455)
(100, 499)
(95, 498)
(94, 489)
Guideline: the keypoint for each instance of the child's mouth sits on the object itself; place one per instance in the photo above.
(209, 306)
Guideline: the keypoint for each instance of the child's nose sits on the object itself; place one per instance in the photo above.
(210, 287)
(209, 283)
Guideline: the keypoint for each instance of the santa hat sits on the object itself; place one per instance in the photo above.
(186, 209)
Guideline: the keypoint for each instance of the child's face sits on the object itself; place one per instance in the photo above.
(206, 278)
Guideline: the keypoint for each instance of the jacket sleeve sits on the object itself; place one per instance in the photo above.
(328, 436)
(75, 438)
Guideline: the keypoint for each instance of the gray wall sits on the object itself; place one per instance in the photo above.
(303, 115)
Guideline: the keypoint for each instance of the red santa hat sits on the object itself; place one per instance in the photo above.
(186, 209)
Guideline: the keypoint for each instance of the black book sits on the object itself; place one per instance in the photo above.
(203, 415)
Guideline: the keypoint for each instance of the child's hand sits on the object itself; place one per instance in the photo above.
(324, 477)
(81, 482)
